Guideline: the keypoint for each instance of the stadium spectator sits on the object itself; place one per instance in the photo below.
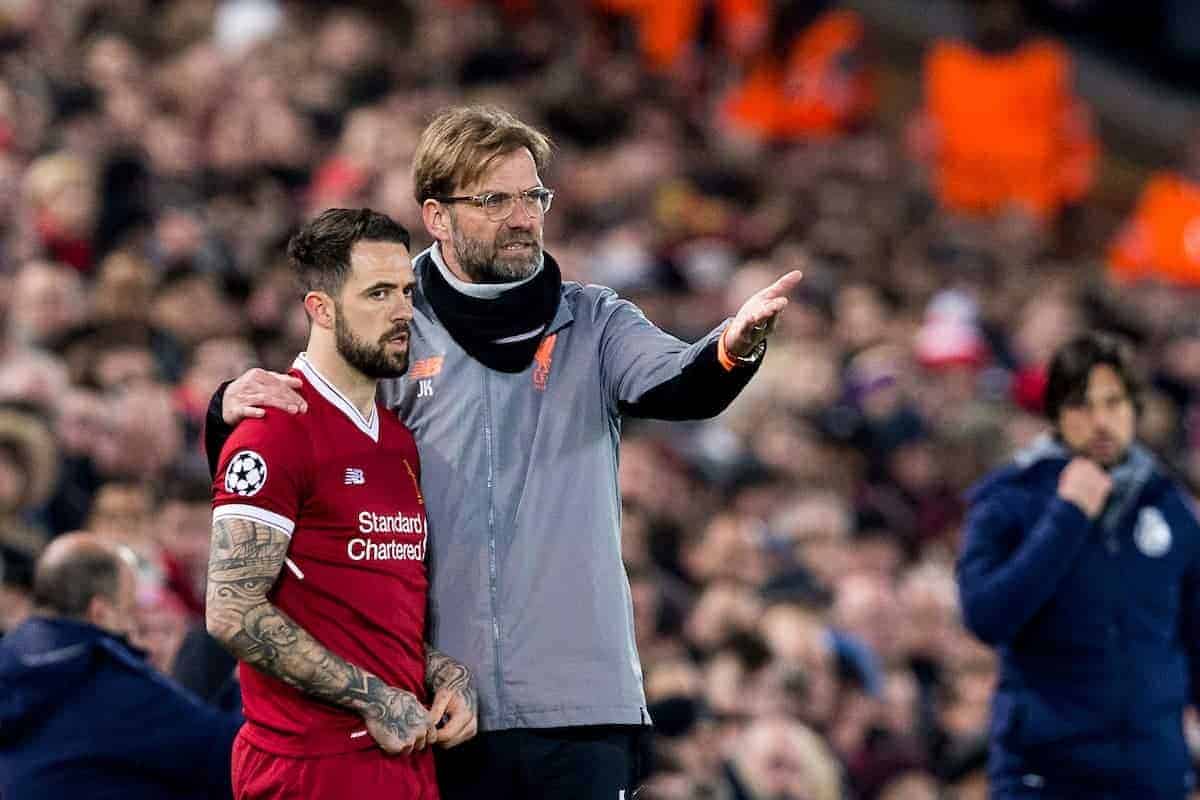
(1004, 128)
(811, 78)
(670, 34)
(83, 713)
(1161, 238)
(60, 190)
(28, 473)
(47, 301)
(782, 758)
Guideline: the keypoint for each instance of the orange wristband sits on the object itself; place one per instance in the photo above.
(723, 354)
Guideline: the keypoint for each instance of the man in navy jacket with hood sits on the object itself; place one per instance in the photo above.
(1081, 566)
(81, 712)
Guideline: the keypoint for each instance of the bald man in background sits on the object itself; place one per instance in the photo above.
(81, 712)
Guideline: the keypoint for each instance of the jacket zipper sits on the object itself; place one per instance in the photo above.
(492, 570)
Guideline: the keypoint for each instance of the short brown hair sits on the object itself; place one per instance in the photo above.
(460, 144)
(320, 252)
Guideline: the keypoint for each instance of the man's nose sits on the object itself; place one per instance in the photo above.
(402, 311)
(521, 218)
(1101, 421)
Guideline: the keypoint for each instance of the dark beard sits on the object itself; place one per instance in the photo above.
(371, 360)
(485, 263)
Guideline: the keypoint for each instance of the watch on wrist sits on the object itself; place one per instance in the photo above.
(754, 355)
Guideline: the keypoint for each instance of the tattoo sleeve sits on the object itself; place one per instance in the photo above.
(244, 562)
(443, 672)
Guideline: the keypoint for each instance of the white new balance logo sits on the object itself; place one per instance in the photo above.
(355, 477)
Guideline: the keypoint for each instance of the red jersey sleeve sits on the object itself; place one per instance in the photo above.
(263, 472)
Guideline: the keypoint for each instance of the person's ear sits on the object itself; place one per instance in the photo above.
(100, 612)
(436, 217)
(320, 309)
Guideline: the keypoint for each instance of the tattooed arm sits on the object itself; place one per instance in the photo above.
(453, 696)
(245, 560)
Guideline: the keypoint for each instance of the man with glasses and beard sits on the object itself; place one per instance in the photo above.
(341, 695)
(1082, 568)
(518, 384)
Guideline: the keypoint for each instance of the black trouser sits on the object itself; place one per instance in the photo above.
(589, 762)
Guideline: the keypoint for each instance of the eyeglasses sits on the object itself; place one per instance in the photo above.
(498, 206)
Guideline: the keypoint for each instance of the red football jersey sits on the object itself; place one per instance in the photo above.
(346, 489)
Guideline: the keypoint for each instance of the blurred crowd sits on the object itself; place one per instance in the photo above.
(792, 561)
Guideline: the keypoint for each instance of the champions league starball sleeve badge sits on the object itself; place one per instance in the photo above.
(246, 474)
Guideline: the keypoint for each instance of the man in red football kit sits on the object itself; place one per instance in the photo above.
(335, 671)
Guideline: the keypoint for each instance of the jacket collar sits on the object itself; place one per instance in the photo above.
(1130, 477)
(44, 641)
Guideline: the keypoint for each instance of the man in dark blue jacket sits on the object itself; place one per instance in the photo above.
(1080, 566)
(81, 712)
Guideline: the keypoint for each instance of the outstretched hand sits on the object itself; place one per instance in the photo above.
(756, 319)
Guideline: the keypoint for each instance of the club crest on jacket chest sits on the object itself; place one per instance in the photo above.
(1152, 534)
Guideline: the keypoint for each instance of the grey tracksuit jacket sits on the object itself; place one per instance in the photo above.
(519, 473)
